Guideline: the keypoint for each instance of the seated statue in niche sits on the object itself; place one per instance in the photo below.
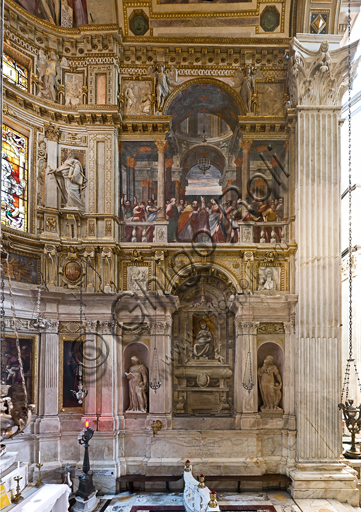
(203, 345)
(138, 386)
(270, 384)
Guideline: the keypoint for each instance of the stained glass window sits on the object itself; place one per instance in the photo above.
(14, 72)
(14, 179)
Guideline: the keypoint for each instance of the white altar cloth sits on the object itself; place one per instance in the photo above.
(49, 498)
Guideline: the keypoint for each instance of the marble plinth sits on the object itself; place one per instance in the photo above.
(328, 481)
(82, 505)
(6, 461)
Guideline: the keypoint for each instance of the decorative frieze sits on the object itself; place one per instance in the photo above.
(271, 328)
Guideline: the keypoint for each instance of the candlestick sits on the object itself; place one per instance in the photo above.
(39, 482)
(17, 497)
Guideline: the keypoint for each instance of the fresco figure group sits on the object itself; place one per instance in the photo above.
(203, 222)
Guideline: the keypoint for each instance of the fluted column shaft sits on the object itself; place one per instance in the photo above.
(246, 147)
(161, 145)
(318, 283)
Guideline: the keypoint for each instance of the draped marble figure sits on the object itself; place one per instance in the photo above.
(270, 384)
(203, 344)
(71, 181)
(138, 386)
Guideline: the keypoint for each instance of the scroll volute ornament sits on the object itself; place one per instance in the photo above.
(319, 78)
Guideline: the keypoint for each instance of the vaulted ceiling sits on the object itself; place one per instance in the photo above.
(207, 21)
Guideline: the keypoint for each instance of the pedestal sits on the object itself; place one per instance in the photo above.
(85, 505)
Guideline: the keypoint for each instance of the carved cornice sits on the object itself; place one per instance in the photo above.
(319, 78)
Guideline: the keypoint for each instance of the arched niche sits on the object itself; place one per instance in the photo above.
(141, 350)
(274, 349)
(203, 347)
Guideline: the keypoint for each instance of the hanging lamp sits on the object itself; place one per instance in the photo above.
(82, 391)
(155, 382)
(351, 413)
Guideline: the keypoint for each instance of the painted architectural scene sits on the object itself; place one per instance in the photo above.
(210, 193)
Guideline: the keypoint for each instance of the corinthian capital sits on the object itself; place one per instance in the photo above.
(248, 328)
(319, 78)
(161, 145)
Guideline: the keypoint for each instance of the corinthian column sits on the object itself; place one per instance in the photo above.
(161, 145)
(246, 147)
(317, 82)
(168, 178)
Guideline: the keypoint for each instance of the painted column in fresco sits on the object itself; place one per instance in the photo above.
(238, 162)
(161, 145)
(177, 191)
(168, 178)
(131, 179)
(246, 146)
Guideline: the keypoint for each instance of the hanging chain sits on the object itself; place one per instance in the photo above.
(17, 335)
(350, 360)
(2, 307)
(248, 383)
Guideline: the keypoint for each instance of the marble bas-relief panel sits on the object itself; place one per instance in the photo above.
(137, 278)
(269, 278)
(137, 97)
(73, 89)
(270, 99)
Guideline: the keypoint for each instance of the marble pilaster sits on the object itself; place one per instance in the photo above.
(49, 374)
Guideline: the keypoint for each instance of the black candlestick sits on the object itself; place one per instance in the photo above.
(86, 486)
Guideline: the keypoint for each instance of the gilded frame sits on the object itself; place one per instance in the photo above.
(34, 338)
(63, 338)
(128, 263)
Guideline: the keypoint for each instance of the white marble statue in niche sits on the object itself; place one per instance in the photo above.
(138, 386)
(270, 384)
(71, 182)
(268, 279)
(203, 345)
(137, 279)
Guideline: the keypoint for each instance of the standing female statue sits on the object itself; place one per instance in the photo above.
(270, 384)
(138, 386)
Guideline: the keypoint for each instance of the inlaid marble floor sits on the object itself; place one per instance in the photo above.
(281, 501)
